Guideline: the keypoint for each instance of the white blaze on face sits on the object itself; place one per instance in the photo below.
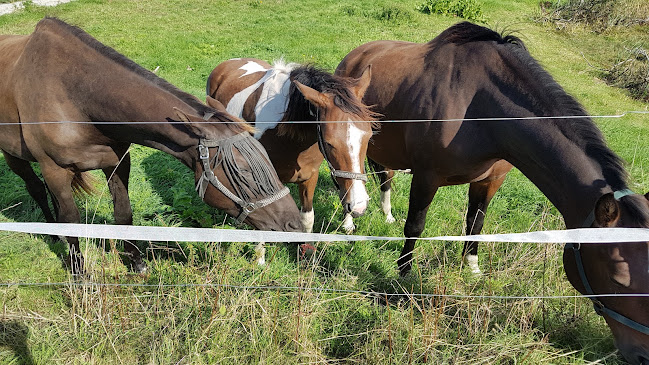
(358, 194)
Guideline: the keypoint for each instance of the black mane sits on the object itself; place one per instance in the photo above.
(122, 60)
(466, 32)
(300, 109)
(581, 131)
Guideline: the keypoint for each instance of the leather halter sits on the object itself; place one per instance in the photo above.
(337, 173)
(597, 304)
(247, 207)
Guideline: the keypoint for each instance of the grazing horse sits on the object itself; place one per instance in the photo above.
(469, 72)
(73, 104)
(284, 102)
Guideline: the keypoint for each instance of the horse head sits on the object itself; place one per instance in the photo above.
(343, 135)
(617, 268)
(233, 173)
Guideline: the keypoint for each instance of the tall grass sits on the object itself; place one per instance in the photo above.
(219, 320)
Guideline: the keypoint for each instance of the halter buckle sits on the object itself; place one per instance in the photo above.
(203, 152)
(249, 207)
(598, 306)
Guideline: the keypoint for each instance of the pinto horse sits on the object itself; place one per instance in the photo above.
(469, 72)
(284, 102)
(73, 104)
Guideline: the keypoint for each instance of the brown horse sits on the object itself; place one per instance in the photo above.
(72, 104)
(284, 102)
(470, 72)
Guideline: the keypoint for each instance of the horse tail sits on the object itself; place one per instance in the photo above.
(208, 92)
(83, 182)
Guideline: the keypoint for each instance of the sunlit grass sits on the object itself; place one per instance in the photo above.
(210, 324)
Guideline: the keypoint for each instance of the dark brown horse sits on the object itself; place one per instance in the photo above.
(72, 105)
(471, 72)
(284, 102)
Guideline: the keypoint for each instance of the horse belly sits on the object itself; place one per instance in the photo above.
(70, 145)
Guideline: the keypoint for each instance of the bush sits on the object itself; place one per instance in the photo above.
(598, 14)
(631, 72)
(467, 9)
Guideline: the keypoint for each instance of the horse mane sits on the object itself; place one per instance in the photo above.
(113, 55)
(300, 109)
(466, 32)
(581, 131)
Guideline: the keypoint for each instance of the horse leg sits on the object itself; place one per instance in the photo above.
(59, 182)
(306, 190)
(35, 186)
(386, 191)
(480, 194)
(117, 178)
(422, 192)
(385, 184)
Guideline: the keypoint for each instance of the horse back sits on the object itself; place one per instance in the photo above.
(231, 77)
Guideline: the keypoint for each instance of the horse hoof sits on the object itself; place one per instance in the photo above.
(472, 263)
(306, 251)
(76, 265)
(389, 219)
(139, 267)
(260, 254)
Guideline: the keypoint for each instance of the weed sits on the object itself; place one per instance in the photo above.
(631, 72)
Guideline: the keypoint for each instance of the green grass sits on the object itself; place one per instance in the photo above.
(162, 325)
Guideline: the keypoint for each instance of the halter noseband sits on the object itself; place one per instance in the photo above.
(247, 207)
(597, 304)
(337, 173)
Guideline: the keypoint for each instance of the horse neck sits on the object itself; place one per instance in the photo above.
(566, 158)
(567, 176)
(149, 104)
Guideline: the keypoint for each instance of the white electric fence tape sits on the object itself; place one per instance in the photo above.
(185, 234)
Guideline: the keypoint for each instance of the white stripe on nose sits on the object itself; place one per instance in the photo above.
(357, 194)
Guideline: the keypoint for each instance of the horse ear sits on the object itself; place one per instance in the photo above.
(313, 96)
(363, 82)
(213, 103)
(607, 211)
(646, 196)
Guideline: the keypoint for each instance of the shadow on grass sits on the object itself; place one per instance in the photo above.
(174, 183)
(14, 335)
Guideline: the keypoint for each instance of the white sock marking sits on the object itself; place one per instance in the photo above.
(307, 219)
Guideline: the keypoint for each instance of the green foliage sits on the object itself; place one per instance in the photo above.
(385, 13)
(467, 9)
(191, 209)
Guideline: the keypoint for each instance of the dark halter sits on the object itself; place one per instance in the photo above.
(337, 173)
(597, 304)
(246, 205)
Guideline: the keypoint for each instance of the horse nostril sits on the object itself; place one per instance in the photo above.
(347, 207)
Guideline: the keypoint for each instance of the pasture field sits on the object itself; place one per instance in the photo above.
(229, 322)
